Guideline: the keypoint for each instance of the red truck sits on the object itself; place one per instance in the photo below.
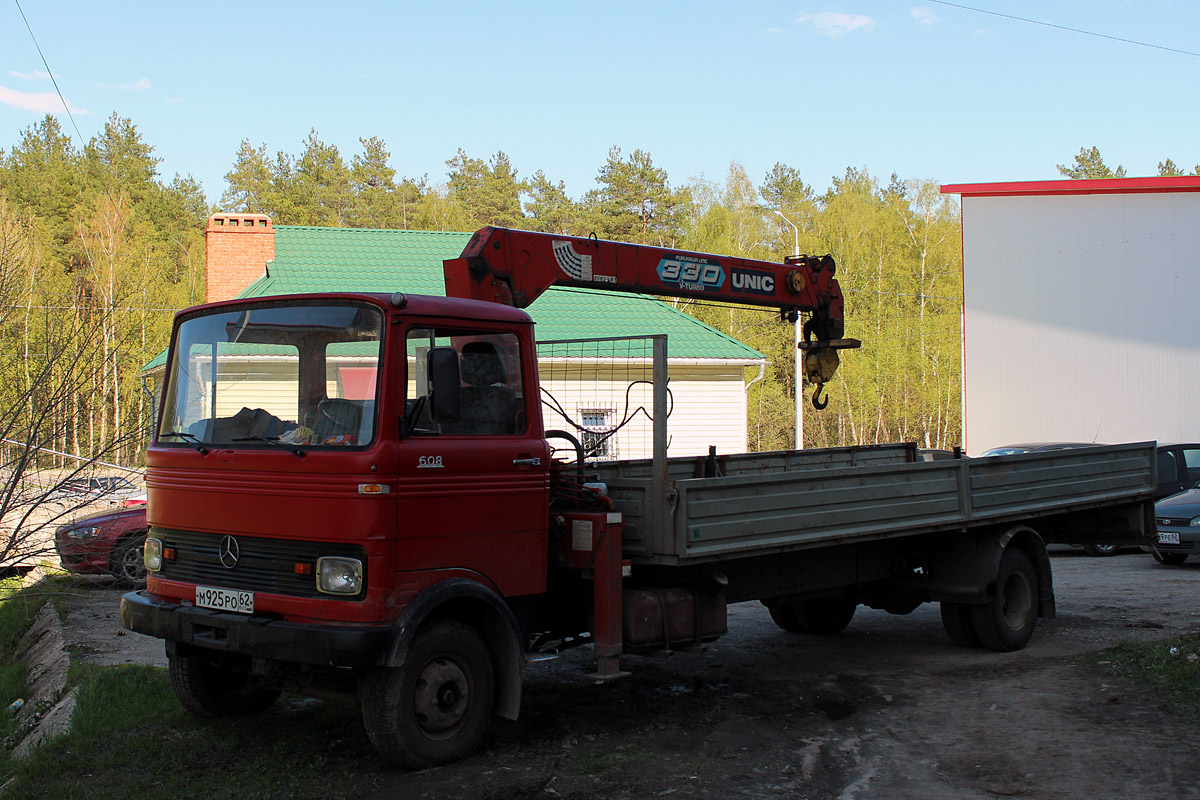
(354, 495)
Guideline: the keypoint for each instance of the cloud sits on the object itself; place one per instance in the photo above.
(36, 75)
(775, 31)
(41, 102)
(925, 16)
(140, 85)
(835, 24)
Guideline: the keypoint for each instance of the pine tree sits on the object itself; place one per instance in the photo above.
(1089, 164)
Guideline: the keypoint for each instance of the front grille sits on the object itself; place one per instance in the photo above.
(264, 565)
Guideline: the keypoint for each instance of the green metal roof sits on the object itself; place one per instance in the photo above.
(368, 260)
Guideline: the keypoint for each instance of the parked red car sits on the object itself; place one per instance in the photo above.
(106, 544)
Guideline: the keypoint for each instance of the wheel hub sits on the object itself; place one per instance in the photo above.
(441, 696)
(1018, 600)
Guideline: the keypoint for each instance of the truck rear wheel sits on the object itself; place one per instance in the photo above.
(1007, 621)
(210, 690)
(824, 616)
(784, 615)
(960, 627)
(435, 708)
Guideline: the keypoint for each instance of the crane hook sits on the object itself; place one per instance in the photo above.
(817, 402)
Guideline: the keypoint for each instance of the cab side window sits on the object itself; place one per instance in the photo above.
(491, 392)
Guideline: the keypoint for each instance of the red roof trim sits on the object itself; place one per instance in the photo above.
(1181, 183)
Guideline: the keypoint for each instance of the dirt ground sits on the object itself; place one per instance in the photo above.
(887, 709)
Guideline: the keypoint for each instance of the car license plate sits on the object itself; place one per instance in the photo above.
(225, 599)
(1168, 537)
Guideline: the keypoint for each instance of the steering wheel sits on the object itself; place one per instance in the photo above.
(340, 410)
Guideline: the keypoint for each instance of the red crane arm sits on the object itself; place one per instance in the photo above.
(515, 267)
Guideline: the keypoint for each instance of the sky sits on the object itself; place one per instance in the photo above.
(921, 89)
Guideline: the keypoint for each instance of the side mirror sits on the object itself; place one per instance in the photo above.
(445, 397)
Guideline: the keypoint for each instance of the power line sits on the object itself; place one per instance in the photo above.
(1066, 28)
(46, 64)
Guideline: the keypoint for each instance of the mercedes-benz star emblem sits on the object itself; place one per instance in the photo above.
(228, 552)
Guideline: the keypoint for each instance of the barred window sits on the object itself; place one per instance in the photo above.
(598, 444)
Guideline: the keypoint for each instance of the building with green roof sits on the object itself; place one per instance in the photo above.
(248, 256)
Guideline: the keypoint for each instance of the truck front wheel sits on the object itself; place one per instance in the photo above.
(211, 690)
(1006, 622)
(434, 709)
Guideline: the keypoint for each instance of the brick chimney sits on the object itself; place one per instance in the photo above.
(237, 248)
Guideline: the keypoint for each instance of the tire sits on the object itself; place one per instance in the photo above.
(211, 690)
(1101, 550)
(959, 624)
(1170, 559)
(127, 564)
(435, 708)
(784, 615)
(826, 616)
(1007, 621)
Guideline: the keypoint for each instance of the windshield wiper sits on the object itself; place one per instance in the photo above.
(274, 440)
(192, 438)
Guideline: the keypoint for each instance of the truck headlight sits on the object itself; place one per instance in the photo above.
(339, 575)
(152, 554)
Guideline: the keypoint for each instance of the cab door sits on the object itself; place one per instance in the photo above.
(473, 486)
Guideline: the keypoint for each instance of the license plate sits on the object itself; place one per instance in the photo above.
(225, 599)
(1168, 537)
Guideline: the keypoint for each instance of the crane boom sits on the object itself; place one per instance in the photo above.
(515, 267)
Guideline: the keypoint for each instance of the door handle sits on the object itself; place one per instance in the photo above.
(527, 462)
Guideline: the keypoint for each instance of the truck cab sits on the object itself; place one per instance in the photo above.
(324, 466)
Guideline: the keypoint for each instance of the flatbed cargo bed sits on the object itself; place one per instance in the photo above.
(763, 503)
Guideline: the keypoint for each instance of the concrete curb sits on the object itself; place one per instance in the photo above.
(49, 707)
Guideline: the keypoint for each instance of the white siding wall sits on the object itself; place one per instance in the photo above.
(709, 407)
(1081, 319)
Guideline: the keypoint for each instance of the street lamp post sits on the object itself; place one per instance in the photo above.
(798, 359)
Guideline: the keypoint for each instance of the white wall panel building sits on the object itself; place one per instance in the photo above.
(1081, 314)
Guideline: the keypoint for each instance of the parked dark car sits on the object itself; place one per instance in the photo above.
(1177, 519)
(1033, 447)
(109, 543)
(1178, 468)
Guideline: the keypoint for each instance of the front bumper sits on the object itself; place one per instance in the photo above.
(257, 637)
(1189, 539)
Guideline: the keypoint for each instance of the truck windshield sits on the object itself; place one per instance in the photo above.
(290, 374)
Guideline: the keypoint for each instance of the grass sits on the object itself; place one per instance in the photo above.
(1169, 669)
(131, 740)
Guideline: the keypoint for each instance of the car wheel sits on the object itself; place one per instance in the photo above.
(1170, 559)
(128, 564)
(1101, 550)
